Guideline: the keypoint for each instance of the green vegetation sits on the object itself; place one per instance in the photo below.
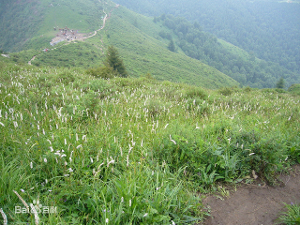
(29, 25)
(114, 61)
(133, 150)
(144, 51)
(294, 89)
(139, 45)
(292, 216)
(268, 29)
(77, 54)
(280, 83)
(227, 58)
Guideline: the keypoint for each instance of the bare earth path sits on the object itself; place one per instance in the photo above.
(253, 204)
(29, 63)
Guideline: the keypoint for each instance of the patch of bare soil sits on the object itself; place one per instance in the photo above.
(255, 205)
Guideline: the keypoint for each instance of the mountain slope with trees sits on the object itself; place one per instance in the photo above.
(266, 29)
(137, 40)
(229, 59)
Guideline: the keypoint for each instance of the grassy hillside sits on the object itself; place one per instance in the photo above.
(27, 25)
(133, 150)
(134, 36)
(140, 46)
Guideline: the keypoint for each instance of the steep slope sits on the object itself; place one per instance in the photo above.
(266, 29)
(145, 54)
(29, 24)
(139, 44)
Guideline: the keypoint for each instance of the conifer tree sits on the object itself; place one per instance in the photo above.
(114, 61)
(171, 46)
(280, 83)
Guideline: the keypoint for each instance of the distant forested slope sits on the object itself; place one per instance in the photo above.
(227, 58)
(268, 29)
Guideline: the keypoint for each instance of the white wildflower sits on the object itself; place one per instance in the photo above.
(172, 140)
(2, 124)
(45, 160)
(146, 214)
(84, 137)
(33, 210)
(4, 216)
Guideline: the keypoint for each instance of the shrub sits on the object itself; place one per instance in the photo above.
(226, 91)
(154, 107)
(104, 72)
(195, 92)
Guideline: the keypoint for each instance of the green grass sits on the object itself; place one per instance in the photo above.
(291, 216)
(133, 150)
(30, 25)
(294, 89)
(77, 54)
(141, 51)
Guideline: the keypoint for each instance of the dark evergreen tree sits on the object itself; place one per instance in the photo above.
(114, 61)
(280, 83)
(171, 46)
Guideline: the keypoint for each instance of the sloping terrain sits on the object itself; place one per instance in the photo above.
(145, 54)
(30, 24)
(142, 49)
(267, 30)
(133, 150)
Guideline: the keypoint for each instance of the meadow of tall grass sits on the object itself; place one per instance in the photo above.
(132, 150)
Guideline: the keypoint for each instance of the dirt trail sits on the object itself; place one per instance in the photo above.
(253, 204)
(5, 55)
(29, 63)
